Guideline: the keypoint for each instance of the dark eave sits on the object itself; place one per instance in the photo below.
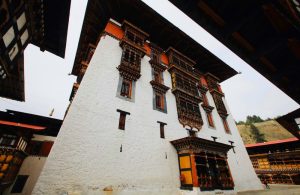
(161, 32)
(52, 125)
(264, 33)
(56, 18)
(196, 144)
(289, 123)
(13, 86)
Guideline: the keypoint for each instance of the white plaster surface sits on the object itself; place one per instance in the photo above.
(86, 157)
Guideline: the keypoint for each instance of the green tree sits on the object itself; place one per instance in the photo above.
(240, 123)
(253, 119)
(256, 135)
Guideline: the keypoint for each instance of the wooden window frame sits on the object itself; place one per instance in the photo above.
(122, 119)
(205, 99)
(160, 105)
(193, 108)
(210, 119)
(155, 57)
(182, 178)
(162, 129)
(134, 37)
(157, 76)
(131, 56)
(129, 92)
(226, 126)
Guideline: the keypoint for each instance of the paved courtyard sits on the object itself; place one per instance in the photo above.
(276, 189)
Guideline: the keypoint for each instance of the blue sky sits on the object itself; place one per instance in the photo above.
(48, 83)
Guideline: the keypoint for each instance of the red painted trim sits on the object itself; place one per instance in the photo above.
(117, 32)
(33, 127)
(293, 139)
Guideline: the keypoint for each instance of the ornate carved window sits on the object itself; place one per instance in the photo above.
(188, 112)
(130, 67)
(133, 50)
(157, 76)
(205, 105)
(213, 172)
(133, 34)
(203, 163)
(186, 84)
(156, 58)
(159, 89)
(130, 56)
(184, 87)
(133, 37)
(220, 105)
(217, 94)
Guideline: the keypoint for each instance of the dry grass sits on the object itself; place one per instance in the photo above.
(270, 129)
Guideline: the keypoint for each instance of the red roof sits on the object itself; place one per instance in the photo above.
(33, 127)
(293, 139)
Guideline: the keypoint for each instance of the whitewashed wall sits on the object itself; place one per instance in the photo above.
(86, 156)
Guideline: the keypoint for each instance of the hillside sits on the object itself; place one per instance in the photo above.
(267, 131)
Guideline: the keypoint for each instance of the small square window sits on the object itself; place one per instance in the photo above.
(126, 88)
(122, 119)
(226, 127)
(9, 36)
(21, 21)
(24, 37)
(210, 119)
(162, 129)
(159, 100)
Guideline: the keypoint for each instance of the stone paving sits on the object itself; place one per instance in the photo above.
(276, 189)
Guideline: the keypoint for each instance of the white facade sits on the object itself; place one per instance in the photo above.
(31, 166)
(92, 156)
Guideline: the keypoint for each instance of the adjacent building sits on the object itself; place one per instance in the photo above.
(291, 122)
(43, 23)
(276, 162)
(25, 142)
(266, 34)
(147, 114)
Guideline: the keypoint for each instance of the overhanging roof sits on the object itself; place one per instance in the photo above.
(264, 33)
(196, 145)
(13, 87)
(46, 24)
(289, 140)
(56, 20)
(39, 124)
(161, 32)
(289, 123)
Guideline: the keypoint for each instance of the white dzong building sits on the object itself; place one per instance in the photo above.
(149, 115)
